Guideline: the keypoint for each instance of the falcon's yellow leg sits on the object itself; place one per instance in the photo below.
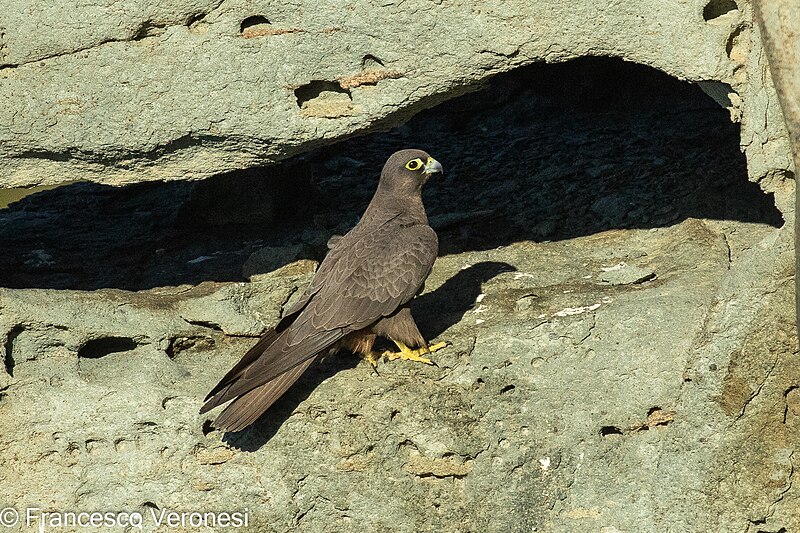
(408, 354)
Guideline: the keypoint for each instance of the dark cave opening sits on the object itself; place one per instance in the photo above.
(545, 152)
(97, 348)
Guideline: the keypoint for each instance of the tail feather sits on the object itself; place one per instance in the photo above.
(246, 409)
(249, 358)
(265, 372)
(278, 359)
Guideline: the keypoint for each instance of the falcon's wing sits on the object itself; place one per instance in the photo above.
(375, 276)
(359, 282)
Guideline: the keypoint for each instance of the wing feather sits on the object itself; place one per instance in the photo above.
(382, 281)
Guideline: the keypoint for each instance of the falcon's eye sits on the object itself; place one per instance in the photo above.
(414, 164)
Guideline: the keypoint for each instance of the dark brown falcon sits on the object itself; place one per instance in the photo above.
(360, 291)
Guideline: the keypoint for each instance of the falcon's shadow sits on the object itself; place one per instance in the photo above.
(434, 312)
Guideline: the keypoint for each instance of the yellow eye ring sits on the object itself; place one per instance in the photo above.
(414, 164)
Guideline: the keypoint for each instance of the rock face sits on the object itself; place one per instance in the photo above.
(615, 276)
(616, 293)
(187, 89)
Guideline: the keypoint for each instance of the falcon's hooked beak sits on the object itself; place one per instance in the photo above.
(432, 166)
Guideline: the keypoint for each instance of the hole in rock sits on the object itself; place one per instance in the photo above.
(97, 348)
(370, 61)
(196, 23)
(149, 29)
(542, 153)
(733, 42)
(8, 362)
(194, 19)
(206, 324)
(717, 8)
(254, 24)
(605, 431)
(790, 401)
(315, 89)
(8, 356)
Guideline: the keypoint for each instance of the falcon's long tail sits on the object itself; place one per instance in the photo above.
(216, 395)
(245, 409)
(260, 378)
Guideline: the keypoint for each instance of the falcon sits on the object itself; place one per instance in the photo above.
(361, 291)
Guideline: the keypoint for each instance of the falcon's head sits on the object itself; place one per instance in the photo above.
(407, 171)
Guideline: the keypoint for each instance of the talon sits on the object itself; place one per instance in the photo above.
(408, 354)
(372, 359)
(437, 346)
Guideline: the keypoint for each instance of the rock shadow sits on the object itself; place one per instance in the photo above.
(545, 152)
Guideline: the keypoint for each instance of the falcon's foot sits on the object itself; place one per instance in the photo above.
(408, 354)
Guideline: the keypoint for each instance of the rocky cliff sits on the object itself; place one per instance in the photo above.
(615, 276)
